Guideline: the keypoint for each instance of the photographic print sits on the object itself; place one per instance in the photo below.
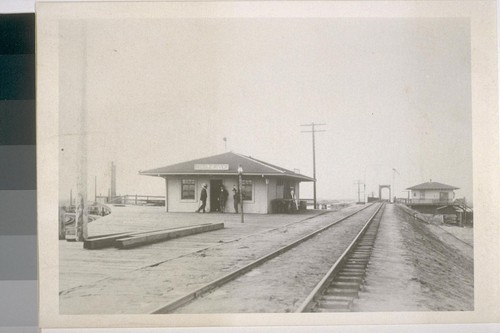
(257, 161)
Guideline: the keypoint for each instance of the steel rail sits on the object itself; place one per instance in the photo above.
(310, 301)
(180, 301)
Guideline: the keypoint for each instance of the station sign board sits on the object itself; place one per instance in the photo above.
(211, 167)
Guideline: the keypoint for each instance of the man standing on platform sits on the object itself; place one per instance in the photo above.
(223, 199)
(236, 198)
(203, 198)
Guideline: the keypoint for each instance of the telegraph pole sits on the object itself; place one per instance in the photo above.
(394, 171)
(359, 191)
(79, 232)
(313, 131)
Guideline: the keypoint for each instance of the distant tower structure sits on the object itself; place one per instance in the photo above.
(113, 180)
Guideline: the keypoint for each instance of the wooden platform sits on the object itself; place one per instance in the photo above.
(79, 266)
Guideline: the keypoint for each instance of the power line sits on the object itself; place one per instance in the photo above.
(313, 131)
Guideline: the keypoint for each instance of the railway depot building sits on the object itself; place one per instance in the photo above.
(439, 199)
(261, 183)
(432, 193)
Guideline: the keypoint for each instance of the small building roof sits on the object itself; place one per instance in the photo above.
(432, 186)
(225, 164)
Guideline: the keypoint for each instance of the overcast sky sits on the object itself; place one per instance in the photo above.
(394, 93)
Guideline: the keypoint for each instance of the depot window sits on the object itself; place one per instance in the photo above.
(187, 190)
(246, 189)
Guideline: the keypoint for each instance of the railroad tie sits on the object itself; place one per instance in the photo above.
(335, 291)
(338, 304)
(350, 278)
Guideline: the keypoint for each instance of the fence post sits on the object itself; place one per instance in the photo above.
(136, 199)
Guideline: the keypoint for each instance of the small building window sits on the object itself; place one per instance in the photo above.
(414, 194)
(187, 191)
(246, 189)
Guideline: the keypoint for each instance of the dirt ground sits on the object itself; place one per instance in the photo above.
(412, 268)
(282, 284)
(141, 280)
(445, 267)
(415, 267)
(418, 267)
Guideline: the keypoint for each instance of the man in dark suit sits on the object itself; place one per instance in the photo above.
(236, 198)
(223, 199)
(203, 198)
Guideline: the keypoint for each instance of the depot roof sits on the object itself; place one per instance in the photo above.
(225, 164)
(432, 186)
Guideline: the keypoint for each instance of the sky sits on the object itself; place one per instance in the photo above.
(393, 93)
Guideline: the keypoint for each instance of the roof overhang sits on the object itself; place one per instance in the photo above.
(234, 174)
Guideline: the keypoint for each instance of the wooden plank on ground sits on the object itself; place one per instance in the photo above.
(153, 237)
(100, 242)
(103, 242)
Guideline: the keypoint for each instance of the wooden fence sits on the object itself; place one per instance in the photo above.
(133, 199)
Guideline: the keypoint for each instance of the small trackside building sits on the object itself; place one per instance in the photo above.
(432, 193)
(439, 199)
(261, 183)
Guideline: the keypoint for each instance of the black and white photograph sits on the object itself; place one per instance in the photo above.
(271, 163)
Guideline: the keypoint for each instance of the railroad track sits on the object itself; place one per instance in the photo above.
(342, 283)
(187, 298)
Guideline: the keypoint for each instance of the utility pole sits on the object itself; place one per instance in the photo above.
(225, 143)
(113, 180)
(313, 131)
(359, 182)
(79, 232)
(394, 171)
(364, 194)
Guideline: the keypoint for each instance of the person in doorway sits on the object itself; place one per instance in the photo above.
(236, 198)
(203, 198)
(223, 198)
(293, 203)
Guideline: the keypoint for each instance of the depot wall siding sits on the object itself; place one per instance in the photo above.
(272, 193)
(275, 193)
(175, 203)
(431, 194)
(258, 204)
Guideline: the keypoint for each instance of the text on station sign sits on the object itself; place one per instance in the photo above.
(211, 166)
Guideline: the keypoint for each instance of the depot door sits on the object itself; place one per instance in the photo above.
(215, 185)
